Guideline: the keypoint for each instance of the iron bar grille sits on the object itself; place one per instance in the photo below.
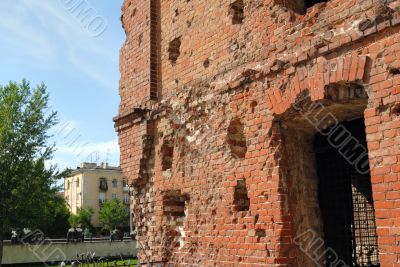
(365, 245)
(346, 203)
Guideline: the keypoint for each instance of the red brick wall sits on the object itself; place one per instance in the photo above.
(253, 73)
(135, 55)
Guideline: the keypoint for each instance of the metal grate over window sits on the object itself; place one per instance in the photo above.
(365, 245)
(346, 203)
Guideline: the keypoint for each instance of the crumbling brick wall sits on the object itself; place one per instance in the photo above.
(216, 151)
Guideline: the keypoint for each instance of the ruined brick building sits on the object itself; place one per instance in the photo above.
(244, 127)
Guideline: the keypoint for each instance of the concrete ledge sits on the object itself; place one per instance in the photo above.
(54, 252)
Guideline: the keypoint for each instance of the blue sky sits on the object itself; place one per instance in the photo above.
(49, 41)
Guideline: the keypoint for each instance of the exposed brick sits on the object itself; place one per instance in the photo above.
(219, 103)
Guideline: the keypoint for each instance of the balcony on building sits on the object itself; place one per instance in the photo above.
(103, 184)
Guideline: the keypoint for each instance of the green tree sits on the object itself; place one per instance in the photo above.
(26, 182)
(73, 220)
(113, 214)
(56, 216)
(82, 218)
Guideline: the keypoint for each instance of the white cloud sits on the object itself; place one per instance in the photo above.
(19, 32)
(51, 35)
(93, 71)
(64, 127)
(46, 35)
(73, 147)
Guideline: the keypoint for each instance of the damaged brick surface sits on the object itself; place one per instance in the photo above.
(213, 139)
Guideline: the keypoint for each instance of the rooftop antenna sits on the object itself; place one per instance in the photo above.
(108, 154)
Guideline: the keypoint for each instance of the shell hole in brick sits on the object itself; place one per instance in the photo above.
(253, 106)
(260, 233)
(396, 110)
(174, 205)
(236, 139)
(133, 12)
(167, 155)
(206, 63)
(237, 12)
(394, 71)
(174, 50)
(140, 39)
(241, 198)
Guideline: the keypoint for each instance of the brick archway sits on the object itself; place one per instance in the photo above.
(319, 97)
(316, 80)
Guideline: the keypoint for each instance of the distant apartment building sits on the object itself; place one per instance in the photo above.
(91, 185)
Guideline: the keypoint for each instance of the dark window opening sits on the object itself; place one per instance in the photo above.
(103, 184)
(345, 196)
(241, 197)
(174, 50)
(300, 6)
(310, 3)
(236, 139)
(237, 12)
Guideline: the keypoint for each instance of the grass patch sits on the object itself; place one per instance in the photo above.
(109, 264)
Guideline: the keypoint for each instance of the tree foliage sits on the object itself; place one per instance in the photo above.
(113, 214)
(56, 216)
(26, 182)
(83, 218)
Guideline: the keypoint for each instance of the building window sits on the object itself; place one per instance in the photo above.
(125, 187)
(126, 199)
(68, 185)
(114, 196)
(77, 182)
(114, 183)
(103, 184)
(102, 198)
